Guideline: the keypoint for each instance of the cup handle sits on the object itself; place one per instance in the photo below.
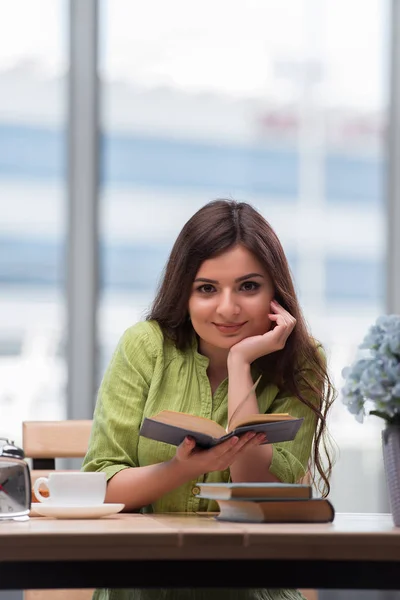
(40, 481)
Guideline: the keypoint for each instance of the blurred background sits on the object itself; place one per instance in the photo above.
(281, 104)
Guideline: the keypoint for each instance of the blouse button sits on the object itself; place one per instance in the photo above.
(195, 490)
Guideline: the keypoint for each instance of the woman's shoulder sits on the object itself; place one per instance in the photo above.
(319, 350)
(143, 334)
(149, 338)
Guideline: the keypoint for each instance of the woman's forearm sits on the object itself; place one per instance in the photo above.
(140, 486)
(254, 464)
(239, 384)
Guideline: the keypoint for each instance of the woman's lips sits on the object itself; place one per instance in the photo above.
(229, 327)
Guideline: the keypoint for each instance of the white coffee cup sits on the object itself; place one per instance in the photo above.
(72, 489)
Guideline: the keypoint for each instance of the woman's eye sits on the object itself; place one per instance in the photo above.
(206, 288)
(250, 286)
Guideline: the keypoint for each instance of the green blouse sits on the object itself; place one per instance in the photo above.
(147, 374)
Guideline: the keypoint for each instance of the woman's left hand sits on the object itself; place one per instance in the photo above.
(251, 348)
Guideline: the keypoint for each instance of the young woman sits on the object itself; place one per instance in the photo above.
(226, 312)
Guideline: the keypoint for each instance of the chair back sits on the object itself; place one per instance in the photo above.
(44, 441)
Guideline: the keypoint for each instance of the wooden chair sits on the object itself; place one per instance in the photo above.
(43, 442)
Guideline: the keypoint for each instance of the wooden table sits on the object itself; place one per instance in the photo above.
(358, 551)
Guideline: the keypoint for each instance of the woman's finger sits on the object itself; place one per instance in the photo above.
(256, 440)
(252, 442)
(282, 311)
(282, 322)
(222, 449)
(234, 445)
(281, 330)
(185, 449)
(280, 319)
(245, 441)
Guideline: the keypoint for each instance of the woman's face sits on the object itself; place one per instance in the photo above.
(230, 298)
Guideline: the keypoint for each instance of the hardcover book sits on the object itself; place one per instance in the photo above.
(274, 491)
(245, 510)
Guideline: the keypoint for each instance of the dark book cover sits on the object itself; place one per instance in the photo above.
(278, 431)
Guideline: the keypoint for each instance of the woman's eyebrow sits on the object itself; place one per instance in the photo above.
(242, 278)
(249, 276)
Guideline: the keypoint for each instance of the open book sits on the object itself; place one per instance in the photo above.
(314, 510)
(172, 427)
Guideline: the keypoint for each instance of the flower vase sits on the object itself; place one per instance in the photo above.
(391, 461)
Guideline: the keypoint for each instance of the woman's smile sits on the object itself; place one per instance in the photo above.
(229, 328)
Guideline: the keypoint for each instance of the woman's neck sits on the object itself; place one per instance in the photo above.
(218, 360)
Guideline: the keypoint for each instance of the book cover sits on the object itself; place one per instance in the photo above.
(172, 428)
(244, 510)
(226, 491)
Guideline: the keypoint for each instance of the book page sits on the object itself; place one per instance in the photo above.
(191, 422)
(263, 418)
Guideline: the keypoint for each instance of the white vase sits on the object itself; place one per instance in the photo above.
(391, 460)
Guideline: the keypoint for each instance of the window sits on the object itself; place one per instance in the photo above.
(355, 280)
(32, 212)
(272, 110)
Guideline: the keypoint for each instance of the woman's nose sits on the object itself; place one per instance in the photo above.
(228, 305)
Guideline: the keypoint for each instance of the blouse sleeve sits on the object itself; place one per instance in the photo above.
(290, 459)
(120, 403)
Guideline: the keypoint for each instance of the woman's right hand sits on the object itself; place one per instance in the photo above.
(196, 461)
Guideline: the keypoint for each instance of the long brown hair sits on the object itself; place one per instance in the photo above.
(300, 366)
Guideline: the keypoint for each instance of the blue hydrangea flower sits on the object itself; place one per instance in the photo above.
(376, 379)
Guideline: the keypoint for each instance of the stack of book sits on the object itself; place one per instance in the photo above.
(267, 502)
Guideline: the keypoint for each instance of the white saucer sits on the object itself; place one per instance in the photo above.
(74, 512)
